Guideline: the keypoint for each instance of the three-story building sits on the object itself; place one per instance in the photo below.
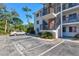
(60, 19)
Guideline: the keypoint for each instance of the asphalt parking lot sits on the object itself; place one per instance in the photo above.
(31, 46)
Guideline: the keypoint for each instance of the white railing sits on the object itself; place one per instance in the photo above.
(71, 21)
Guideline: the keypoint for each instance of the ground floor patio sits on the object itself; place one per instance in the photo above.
(70, 30)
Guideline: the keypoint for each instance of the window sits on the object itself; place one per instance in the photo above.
(64, 29)
(37, 22)
(37, 15)
(72, 16)
(72, 29)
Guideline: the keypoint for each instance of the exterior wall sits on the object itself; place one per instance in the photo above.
(35, 23)
(67, 33)
(38, 25)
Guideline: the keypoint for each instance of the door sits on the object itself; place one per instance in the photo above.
(51, 23)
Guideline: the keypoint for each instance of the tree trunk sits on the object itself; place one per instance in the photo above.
(28, 23)
(5, 26)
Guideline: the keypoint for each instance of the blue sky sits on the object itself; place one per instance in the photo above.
(18, 7)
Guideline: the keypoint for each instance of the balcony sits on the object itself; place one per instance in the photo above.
(47, 13)
(72, 5)
(46, 27)
(71, 21)
(47, 10)
(69, 8)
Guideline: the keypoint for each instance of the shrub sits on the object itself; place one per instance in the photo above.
(39, 34)
(30, 30)
(76, 36)
(46, 35)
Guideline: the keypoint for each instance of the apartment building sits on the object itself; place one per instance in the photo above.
(60, 19)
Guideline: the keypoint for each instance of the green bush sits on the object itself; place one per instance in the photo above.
(30, 30)
(39, 34)
(76, 36)
(46, 35)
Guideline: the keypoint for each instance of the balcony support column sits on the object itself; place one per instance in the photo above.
(61, 21)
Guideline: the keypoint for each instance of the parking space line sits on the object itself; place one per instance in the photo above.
(50, 49)
(18, 49)
(36, 47)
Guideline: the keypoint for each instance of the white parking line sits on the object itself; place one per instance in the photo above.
(50, 49)
(36, 47)
(20, 48)
(17, 48)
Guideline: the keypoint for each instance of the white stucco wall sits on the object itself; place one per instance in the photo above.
(38, 25)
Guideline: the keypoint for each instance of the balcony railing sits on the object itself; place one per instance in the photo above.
(72, 5)
(45, 11)
(45, 27)
(71, 20)
(69, 7)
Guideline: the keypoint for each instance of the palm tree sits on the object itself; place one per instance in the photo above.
(17, 22)
(27, 10)
(9, 19)
(14, 15)
(4, 15)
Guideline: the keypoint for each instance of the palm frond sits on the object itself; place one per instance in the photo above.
(26, 9)
(28, 16)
